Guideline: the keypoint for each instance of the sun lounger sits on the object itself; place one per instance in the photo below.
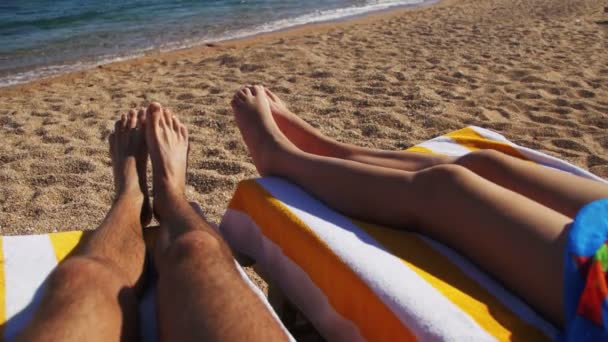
(358, 281)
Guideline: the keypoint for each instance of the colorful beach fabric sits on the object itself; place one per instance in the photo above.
(25, 263)
(358, 281)
(586, 285)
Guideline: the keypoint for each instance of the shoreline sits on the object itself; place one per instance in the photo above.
(228, 42)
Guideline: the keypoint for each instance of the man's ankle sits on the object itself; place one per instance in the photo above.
(164, 201)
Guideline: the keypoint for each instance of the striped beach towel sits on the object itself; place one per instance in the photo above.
(358, 281)
(26, 261)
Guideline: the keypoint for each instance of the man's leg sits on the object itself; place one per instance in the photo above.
(91, 296)
(563, 192)
(511, 236)
(202, 297)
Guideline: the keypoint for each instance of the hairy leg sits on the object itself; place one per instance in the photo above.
(202, 297)
(509, 235)
(558, 190)
(91, 296)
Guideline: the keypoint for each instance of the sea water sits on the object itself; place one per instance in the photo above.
(39, 38)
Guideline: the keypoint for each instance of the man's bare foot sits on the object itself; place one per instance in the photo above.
(259, 130)
(129, 160)
(167, 140)
(299, 132)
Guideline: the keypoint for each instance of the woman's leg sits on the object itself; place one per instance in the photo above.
(516, 239)
(91, 296)
(310, 139)
(563, 192)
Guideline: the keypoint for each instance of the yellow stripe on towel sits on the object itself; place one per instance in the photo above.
(454, 284)
(298, 242)
(420, 149)
(64, 243)
(474, 141)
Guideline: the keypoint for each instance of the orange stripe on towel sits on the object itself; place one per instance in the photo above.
(474, 300)
(374, 319)
(420, 149)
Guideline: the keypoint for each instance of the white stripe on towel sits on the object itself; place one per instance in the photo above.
(245, 236)
(411, 298)
(28, 260)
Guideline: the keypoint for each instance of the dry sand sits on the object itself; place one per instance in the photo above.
(533, 70)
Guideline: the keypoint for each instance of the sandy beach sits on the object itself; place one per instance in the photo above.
(535, 71)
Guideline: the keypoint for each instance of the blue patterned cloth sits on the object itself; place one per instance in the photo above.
(586, 264)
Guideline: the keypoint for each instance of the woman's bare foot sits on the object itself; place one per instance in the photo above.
(299, 132)
(129, 159)
(167, 140)
(259, 130)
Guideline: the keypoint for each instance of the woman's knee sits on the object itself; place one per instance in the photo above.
(435, 181)
(482, 160)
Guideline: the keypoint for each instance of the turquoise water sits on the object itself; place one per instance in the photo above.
(45, 37)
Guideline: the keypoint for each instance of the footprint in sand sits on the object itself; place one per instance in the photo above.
(569, 145)
(585, 93)
(7, 157)
(545, 119)
(233, 145)
(492, 115)
(533, 144)
(528, 96)
(556, 91)
(603, 141)
(321, 74)
(206, 183)
(447, 79)
(186, 96)
(116, 96)
(561, 110)
(518, 74)
(52, 100)
(182, 107)
(326, 88)
(251, 67)
(447, 95)
(79, 166)
(467, 103)
(532, 79)
(41, 114)
(223, 167)
(594, 160)
(573, 84)
(598, 122)
(215, 90)
(55, 139)
(371, 131)
(578, 106)
(560, 102)
(371, 90)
